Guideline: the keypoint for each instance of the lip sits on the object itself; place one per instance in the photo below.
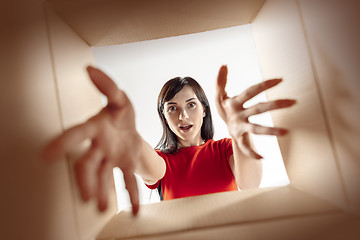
(185, 127)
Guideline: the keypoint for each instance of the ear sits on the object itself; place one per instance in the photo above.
(204, 114)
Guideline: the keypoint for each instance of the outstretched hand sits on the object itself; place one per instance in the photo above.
(112, 133)
(236, 117)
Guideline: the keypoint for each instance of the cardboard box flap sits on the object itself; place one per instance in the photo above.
(110, 22)
(309, 156)
(331, 226)
(318, 60)
(218, 209)
(333, 38)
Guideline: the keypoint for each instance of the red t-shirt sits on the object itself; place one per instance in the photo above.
(198, 170)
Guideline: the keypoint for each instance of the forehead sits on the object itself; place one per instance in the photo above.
(184, 94)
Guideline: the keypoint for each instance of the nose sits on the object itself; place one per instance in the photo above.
(183, 115)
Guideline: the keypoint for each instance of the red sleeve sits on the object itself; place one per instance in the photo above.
(163, 155)
(226, 146)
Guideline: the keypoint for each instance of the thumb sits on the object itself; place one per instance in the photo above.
(221, 83)
(107, 86)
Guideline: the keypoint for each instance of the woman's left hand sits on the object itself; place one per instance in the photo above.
(236, 117)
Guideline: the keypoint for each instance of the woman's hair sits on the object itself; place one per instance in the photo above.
(168, 142)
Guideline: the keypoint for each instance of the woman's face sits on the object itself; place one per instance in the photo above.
(184, 114)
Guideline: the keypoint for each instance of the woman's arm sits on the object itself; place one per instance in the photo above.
(247, 171)
(151, 167)
(114, 143)
(245, 163)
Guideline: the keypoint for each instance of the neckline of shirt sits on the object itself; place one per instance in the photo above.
(192, 147)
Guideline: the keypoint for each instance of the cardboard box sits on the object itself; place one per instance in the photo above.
(313, 45)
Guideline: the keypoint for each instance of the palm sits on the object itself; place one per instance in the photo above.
(236, 117)
(117, 124)
(235, 122)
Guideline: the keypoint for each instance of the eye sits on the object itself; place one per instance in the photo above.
(171, 108)
(191, 105)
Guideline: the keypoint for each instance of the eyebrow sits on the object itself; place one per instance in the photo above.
(190, 99)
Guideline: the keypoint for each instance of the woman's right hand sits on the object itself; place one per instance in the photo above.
(113, 135)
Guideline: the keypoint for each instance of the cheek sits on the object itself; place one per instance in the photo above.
(170, 119)
(196, 114)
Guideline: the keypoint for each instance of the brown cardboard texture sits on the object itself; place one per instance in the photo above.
(312, 45)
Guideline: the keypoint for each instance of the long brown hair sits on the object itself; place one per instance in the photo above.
(169, 141)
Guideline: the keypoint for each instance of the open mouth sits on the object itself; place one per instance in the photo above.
(185, 127)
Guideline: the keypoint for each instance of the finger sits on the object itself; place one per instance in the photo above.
(131, 186)
(258, 129)
(221, 83)
(244, 145)
(256, 89)
(104, 177)
(268, 106)
(86, 170)
(107, 86)
(66, 141)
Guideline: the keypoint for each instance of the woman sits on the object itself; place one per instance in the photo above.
(186, 118)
